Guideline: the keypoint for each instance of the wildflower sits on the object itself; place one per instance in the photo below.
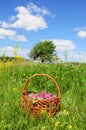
(43, 111)
(69, 127)
(5, 104)
(14, 89)
(33, 96)
(66, 112)
(40, 96)
(43, 128)
(9, 63)
(57, 123)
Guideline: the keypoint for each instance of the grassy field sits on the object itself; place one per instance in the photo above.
(71, 79)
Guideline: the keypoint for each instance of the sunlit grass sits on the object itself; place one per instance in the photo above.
(72, 82)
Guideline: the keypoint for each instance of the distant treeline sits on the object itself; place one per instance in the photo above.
(7, 58)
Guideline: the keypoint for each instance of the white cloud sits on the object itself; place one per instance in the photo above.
(26, 19)
(11, 35)
(77, 56)
(81, 34)
(9, 51)
(69, 46)
(6, 33)
(4, 24)
(80, 28)
(62, 45)
(20, 38)
(32, 7)
(12, 18)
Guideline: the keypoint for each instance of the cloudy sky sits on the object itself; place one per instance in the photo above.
(28, 22)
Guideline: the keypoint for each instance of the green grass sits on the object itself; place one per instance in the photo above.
(71, 79)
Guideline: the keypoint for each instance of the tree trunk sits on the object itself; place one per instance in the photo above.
(42, 60)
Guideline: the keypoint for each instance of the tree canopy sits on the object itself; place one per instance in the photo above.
(43, 51)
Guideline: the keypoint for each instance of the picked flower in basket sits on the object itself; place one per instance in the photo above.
(36, 103)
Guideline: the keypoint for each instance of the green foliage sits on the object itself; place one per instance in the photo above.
(71, 79)
(43, 51)
(3, 57)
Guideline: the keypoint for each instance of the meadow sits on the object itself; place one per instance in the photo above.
(71, 78)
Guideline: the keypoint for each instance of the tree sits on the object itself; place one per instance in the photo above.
(3, 57)
(43, 51)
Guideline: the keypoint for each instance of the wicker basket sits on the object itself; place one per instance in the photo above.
(37, 107)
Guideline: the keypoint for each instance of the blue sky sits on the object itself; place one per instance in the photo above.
(28, 22)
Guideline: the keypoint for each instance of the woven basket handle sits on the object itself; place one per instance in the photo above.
(24, 88)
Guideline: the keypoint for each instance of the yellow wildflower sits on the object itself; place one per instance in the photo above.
(9, 63)
(66, 112)
(57, 123)
(43, 128)
(43, 111)
(14, 89)
(69, 127)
